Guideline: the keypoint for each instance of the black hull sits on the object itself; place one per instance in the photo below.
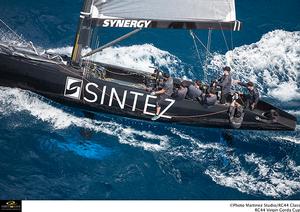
(49, 79)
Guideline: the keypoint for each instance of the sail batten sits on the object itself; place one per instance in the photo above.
(212, 14)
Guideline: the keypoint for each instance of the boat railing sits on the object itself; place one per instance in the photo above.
(10, 37)
(14, 44)
(14, 41)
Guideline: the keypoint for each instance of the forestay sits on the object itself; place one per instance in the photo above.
(189, 14)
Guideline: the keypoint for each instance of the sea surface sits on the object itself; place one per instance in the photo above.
(50, 151)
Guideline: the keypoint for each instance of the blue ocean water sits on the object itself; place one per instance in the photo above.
(49, 151)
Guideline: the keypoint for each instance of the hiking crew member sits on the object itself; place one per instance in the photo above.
(180, 93)
(164, 93)
(210, 98)
(253, 97)
(225, 83)
(236, 112)
(194, 91)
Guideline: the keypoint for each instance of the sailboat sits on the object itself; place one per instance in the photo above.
(77, 81)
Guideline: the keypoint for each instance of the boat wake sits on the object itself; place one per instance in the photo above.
(260, 177)
(249, 172)
(16, 100)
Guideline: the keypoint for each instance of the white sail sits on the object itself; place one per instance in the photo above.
(167, 13)
(172, 14)
(168, 10)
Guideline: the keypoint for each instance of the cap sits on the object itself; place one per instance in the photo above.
(251, 84)
(198, 82)
(227, 68)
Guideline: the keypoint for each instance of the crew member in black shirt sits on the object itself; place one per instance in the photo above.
(225, 83)
(253, 97)
(163, 94)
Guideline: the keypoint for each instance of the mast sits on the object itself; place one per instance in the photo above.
(82, 38)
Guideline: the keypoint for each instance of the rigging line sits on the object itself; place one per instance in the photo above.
(209, 39)
(199, 57)
(203, 45)
(224, 37)
(2, 32)
(207, 52)
(113, 42)
(97, 45)
(18, 36)
(231, 35)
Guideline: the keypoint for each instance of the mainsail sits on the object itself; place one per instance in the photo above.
(189, 14)
(171, 14)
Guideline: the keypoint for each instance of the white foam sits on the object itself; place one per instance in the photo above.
(277, 180)
(286, 91)
(16, 100)
(260, 162)
(127, 137)
(11, 38)
(293, 139)
(248, 173)
(273, 63)
(294, 112)
(67, 50)
(140, 57)
(196, 143)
